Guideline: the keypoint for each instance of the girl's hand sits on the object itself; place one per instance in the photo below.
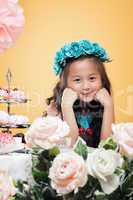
(69, 97)
(104, 97)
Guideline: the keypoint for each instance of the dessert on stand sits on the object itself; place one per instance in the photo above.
(14, 157)
(11, 96)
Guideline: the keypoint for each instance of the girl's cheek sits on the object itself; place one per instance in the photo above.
(73, 87)
(76, 87)
(98, 85)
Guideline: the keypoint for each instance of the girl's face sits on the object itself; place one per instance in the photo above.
(84, 78)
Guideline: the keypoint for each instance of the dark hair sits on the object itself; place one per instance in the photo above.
(93, 107)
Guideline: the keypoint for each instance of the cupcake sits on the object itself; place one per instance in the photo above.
(4, 118)
(18, 120)
(8, 143)
(17, 95)
(3, 93)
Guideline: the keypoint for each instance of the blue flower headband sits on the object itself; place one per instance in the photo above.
(75, 50)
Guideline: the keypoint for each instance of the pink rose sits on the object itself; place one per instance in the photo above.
(48, 132)
(68, 172)
(123, 135)
(11, 23)
(7, 188)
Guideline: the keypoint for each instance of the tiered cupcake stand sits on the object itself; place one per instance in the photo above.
(9, 101)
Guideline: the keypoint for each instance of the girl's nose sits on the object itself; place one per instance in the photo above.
(86, 85)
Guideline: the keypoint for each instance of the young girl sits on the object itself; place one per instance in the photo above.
(82, 97)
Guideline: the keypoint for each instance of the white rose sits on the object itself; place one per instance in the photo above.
(102, 164)
(48, 132)
(123, 135)
(68, 172)
(7, 188)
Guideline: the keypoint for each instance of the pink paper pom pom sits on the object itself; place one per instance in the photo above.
(11, 23)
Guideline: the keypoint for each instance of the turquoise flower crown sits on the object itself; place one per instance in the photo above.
(75, 50)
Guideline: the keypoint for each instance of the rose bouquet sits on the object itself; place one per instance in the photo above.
(62, 172)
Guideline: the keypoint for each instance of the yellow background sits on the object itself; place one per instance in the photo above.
(50, 24)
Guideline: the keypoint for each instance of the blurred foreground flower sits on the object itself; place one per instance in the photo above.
(11, 23)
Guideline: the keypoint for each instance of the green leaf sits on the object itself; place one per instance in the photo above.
(127, 186)
(54, 151)
(100, 195)
(109, 143)
(40, 176)
(81, 148)
(11, 198)
(119, 171)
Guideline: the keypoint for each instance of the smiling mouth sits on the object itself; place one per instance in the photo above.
(85, 94)
(88, 95)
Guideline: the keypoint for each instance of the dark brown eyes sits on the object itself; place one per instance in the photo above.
(77, 80)
(90, 78)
